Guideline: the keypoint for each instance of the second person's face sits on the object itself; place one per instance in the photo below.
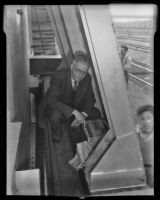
(146, 122)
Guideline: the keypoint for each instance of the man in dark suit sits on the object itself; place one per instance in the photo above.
(70, 98)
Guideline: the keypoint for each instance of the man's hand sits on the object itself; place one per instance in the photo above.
(79, 118)
(75, 123)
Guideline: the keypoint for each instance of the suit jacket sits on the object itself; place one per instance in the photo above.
(57, 95)
(147, 149)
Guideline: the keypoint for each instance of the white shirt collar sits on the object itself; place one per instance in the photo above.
(143, 137)
(73, 82)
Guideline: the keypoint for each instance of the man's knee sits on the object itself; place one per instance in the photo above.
(94, 114)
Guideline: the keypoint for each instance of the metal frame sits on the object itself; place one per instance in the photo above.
(117, 107)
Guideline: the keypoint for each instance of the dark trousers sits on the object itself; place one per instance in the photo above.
(126, 76)
(149, 174)
(57, 120)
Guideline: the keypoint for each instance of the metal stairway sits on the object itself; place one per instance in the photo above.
(43, 36)
(84, 22)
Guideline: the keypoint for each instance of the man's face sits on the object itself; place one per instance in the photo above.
(145, 121)
(79, 70)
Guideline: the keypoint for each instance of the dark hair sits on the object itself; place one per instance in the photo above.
(80, 56)
(145, 108)
(126, 48)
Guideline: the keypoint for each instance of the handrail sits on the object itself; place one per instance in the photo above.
(135, 77)
(139, 48)
(138, 65)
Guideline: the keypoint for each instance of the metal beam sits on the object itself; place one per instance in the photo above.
(124, 152)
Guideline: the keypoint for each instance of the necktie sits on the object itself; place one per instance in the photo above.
(75, 85)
